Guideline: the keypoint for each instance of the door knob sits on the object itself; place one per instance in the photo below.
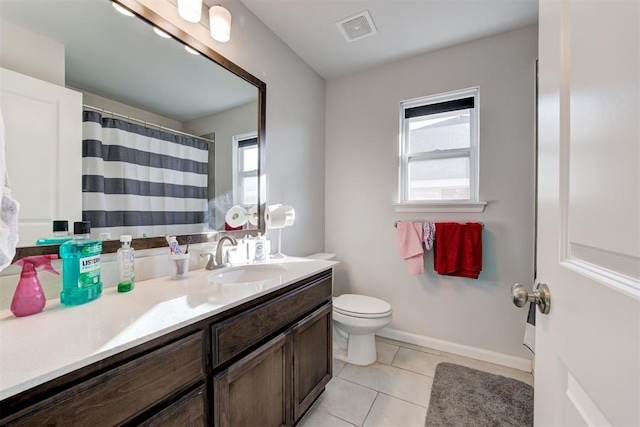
(541, 297)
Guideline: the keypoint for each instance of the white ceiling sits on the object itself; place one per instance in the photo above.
(405, 27)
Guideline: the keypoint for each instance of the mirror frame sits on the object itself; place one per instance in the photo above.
(111, 246)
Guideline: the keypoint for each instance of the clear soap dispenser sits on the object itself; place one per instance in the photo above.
(260, 253)
(126, 258)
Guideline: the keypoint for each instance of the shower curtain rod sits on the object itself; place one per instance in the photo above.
(162, 128)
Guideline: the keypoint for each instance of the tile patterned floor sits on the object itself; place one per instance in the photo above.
(393, 391)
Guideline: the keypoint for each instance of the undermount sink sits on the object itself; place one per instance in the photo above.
(247, 273)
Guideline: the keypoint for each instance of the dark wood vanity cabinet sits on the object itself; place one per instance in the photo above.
(275, 384)
(262, 363)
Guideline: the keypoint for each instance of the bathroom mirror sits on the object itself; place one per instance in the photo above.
(131, 76)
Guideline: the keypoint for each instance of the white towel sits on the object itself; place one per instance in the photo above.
(8, 209)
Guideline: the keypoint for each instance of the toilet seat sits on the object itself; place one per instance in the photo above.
(361, 306)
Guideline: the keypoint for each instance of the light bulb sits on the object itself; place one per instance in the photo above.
(220, 23)
(161, 33)
(190, 10)
(121, 9)
(191, 50)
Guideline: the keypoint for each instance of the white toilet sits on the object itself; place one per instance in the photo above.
(356, 319)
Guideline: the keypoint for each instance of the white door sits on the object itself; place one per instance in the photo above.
(587, 365)
(43, 136)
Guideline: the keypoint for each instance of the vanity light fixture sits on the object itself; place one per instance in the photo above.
(161, 33)
(220, 23)
(121, 9)
(190, 10)
(191, 50)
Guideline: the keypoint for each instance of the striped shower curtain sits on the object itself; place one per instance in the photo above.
(141, 181)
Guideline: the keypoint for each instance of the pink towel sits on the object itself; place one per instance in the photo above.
(410, 237)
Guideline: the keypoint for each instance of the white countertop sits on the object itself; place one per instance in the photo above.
(59, 340)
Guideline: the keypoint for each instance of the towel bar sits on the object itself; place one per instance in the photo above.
(395, 224)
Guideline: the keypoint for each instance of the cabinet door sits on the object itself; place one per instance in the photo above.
(312, 358)
(189, 411)
(253, 391)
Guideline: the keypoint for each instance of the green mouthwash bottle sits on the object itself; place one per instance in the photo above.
(60, 234)
(80, 266)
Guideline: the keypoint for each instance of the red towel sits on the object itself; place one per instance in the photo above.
(458, 249)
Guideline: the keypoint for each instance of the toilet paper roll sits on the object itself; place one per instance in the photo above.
(268, 210)
(253, 215)
(236, 216)
(280, 217)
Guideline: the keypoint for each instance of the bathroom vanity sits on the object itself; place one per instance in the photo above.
(207, 350)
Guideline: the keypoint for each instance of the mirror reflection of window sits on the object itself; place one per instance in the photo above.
(245, 169)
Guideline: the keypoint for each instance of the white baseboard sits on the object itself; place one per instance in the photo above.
(459, 349)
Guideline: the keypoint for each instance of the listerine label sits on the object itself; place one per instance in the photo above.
(89, 271)
(92, 249)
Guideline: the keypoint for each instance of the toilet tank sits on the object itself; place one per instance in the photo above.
(323, 256)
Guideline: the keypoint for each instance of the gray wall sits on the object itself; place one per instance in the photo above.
(31, 54)
(361, 185)
(295, 118)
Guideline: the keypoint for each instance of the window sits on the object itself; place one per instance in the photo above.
(439, 149)
(245, 169)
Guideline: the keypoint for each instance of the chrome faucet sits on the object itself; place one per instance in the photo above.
(216, 261)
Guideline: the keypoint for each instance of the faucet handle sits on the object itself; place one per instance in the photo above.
(227, 254)
(210, 261)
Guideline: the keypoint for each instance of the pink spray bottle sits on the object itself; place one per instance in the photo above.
(29, 297)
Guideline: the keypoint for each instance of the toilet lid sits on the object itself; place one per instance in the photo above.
(360, 304)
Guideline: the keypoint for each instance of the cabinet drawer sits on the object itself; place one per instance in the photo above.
(240, 332)
(123, 392)
(188, 411)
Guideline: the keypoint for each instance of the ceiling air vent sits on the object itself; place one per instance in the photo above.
(357, 26)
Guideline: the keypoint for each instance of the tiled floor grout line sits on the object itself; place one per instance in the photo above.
(353, 382)
(402, 369)
(374, 401)
(386, 394)
(450, 358)
(335, 416)
(404, 400)
(394, 356)
(370, 408)
(348, 422)
(414, 372)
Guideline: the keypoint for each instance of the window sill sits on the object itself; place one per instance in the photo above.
(452, 206)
